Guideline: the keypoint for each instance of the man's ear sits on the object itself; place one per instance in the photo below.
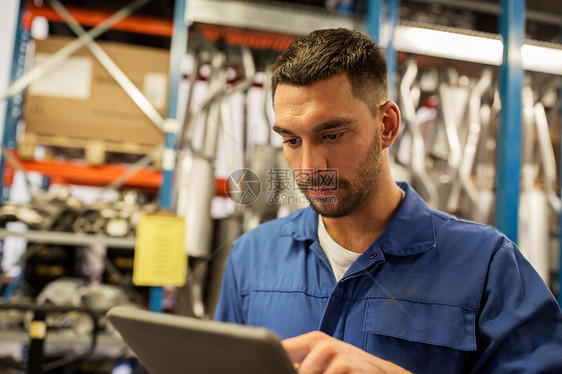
(390, 116)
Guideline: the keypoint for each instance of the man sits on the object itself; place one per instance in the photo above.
(369, 279)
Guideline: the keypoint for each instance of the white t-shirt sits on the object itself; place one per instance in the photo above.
(339, 257)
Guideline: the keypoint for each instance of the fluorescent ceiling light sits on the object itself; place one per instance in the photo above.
(536, 58)
(473, 48)
(448, 45)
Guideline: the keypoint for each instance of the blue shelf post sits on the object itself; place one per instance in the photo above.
(392, 19)
(376, 21)
(512, 29)
(14, 110)
(14, 105)
(171, 126)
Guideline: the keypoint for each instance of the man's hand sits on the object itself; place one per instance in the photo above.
(317, 352)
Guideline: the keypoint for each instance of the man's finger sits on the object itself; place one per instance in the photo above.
(299, 346)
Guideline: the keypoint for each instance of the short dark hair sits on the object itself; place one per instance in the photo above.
(326, 53)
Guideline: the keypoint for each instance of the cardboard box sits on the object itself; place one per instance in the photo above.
(80, 99)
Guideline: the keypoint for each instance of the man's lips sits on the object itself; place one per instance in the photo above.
(321, 191)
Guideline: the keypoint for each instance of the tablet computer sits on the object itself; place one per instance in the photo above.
(170, 344)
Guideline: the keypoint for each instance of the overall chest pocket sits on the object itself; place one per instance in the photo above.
(422, 337)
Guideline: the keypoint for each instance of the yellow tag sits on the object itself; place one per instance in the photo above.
(37, 330)
(160, 259)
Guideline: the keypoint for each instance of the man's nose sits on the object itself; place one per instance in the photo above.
(313, 158)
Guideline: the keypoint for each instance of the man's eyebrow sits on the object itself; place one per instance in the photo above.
(281, 130)
(332, 124)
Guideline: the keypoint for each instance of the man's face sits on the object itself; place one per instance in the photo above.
(328, 133)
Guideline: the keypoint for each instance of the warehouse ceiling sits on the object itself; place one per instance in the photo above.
(544, 17)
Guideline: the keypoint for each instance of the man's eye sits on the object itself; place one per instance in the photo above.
(332, 136)
(292, 142)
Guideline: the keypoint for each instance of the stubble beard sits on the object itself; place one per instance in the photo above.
(350, 194)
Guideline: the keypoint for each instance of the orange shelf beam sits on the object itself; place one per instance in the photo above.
(91, 17)
(257, 39)
(80, 173)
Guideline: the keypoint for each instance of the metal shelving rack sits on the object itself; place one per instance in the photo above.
(170, 127)
(162, 181)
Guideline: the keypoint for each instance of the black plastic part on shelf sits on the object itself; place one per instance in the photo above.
(36, 359)
(47, 263)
